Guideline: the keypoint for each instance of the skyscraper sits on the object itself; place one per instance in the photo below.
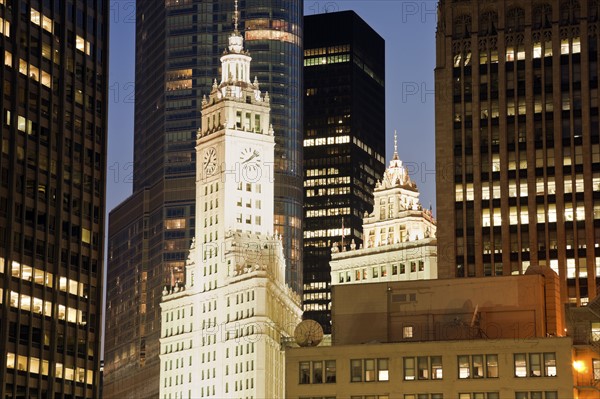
(178, 45)
(52, 196)
(344, 143)
(517, 141)
(223, 329)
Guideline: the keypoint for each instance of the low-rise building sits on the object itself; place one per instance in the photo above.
(534, 368)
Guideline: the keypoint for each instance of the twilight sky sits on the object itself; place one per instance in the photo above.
(408, 28)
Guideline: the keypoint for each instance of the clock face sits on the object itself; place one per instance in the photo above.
(209, 162)
(250, 158)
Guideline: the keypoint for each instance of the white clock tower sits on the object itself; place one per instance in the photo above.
(222, 331)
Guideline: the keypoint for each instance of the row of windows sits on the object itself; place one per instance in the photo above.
(318, 372)
(332, 59)
(327, 233)
(38, 366)
(430, 367)
(320, 192)
(327, 50)
(377, 271)
(474, 395)
(326, 141)
(327, 181)
(41, 307)
(328, 212)
(38, 276)
(493, 217)
(518, 53)
(521, 190)
(535, 365)
(321, 172)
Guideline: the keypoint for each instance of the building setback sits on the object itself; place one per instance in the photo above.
(344, 143)
(178, 45)
(52, 196)
(518, 141)
(221, 332)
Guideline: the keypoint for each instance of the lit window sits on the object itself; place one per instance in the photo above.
(36, 17)
(595, 330)
(407, 332)
(82, 45)
(409, 368)
(4, 27)
(549, 364)
(383, 370)
(520, 365)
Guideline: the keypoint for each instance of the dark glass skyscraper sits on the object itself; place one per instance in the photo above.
(178, 46)
(518, 141)
(52, 196)
(344, 143)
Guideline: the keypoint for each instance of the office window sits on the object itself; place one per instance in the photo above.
(535, 365)
(409, 368)
(383, 370)
(477, 366)
(492, 366)
(317, 372)
(407, 332)
(520, 365)
(394, 270)
(304, 373)
(464, 367)
(596, 369)
(436, 368)
(369, 370)
(330, 371)
(423, 368)
(595, 327)
(549, 365)
(356, 370)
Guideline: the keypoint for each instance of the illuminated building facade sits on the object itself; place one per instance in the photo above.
(222, 330)
(399, 236)
(344, 143)
(52, 196)
(178, 45)
(518, 140)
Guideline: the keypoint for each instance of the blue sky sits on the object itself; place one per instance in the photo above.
(408, 28)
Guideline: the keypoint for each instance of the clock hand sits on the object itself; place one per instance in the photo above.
(254, 155)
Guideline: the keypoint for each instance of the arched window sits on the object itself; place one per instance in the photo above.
(515, 20)
(488, 23)
(462, 27)
(542, 16)
(570, 11)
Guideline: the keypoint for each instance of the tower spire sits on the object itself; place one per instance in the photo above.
(235, 16)
(396, 157)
